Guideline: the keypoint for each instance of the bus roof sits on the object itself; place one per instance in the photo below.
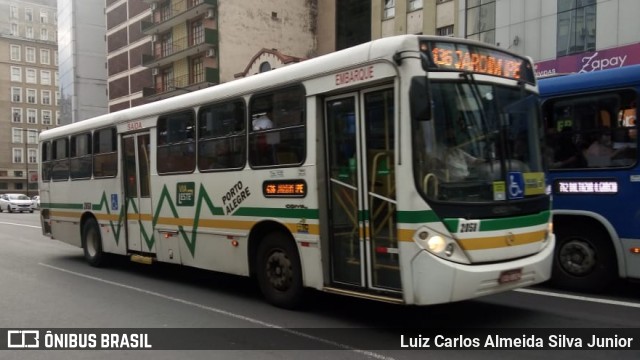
(592, 81)
(383, 48)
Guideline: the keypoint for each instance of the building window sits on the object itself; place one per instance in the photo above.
(28, 14)
(389, 10)
(30, 55)
(415, 5)
(33, 156)
(32, 96)
(14, 29)
(576, 26)
(45, 77)
(166, 44)
(31, 76)
(45, 56)
(32, 116)
(481, 21)
(15, 52)
(197, 70)
(13, 11)
(46, 97)
(265, 66)
(56, 78)
(16, 115)
(46, 117)
(29, 32)
(16, 94)
(197, 32)
(44, 17)
(165, 10)
(44, 34)
(57, 98)
(445, 31)
(16, 135)
(17, 156)
(167, 79)
(16, 73)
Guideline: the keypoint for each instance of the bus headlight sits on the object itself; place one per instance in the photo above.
(440, 245)
(436, 244)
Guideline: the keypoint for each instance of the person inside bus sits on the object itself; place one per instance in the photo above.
(567, 154)
(266, 143)
(456, 161)
(601, 152)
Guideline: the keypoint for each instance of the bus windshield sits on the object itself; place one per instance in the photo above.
(481, 145)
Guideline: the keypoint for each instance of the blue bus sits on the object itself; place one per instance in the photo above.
(594, 173)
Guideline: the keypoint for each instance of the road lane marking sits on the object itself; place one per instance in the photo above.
(578, 297)
(224, 312)
(16, 224)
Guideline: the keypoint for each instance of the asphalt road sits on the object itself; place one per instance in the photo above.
(46, 284)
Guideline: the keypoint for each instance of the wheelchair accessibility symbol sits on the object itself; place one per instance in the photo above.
(515, 185)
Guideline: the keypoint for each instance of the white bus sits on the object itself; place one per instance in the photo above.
(352, 185)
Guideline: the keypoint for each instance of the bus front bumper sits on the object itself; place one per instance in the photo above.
(436, 280)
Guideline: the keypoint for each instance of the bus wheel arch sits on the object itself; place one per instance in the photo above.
(275, 263)
(92, 241)
(584, 257)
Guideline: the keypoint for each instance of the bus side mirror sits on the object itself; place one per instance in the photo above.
(419, 100)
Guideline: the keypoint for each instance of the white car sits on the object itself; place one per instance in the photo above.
(36, 201)
(15, 202)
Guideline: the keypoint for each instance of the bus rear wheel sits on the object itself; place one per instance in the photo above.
(92, 244)
(584, 259)
(278, 271)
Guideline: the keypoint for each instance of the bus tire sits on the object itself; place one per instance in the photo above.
(278, 271)
(584, 259)
(92, 244)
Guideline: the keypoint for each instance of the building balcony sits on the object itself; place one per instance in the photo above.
(170, 51)
(165, 18)
(181, 84)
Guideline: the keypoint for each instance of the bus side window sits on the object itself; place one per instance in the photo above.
(277, 128)
(221, 136)
(80, 163)
(60, 169)
(105, 153)
(47, 162)
(176, 143)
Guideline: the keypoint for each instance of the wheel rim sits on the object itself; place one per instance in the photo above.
(279, 270)
(577, 257)
(92, 243)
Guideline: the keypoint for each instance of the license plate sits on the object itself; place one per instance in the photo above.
(510, 276)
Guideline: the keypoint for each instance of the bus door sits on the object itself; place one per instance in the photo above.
(362, 206)
(137, 197)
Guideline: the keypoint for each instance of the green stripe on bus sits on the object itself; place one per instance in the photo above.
(504, 223)
(278, 213)
(417, 217)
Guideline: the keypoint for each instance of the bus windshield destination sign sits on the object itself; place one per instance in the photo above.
(463, 57)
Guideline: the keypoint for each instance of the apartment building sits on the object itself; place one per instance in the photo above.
(161, 48)
(29, 95)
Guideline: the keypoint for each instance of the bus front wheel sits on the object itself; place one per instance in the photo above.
(92, 244)
(584, 259)
(278, 271)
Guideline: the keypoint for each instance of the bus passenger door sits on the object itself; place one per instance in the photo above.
(361, 180)
(138, 211)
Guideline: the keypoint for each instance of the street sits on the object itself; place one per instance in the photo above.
(47, 284)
